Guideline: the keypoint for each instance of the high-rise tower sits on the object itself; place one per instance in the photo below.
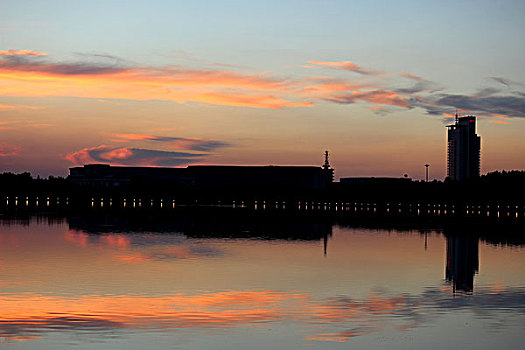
(463, 149)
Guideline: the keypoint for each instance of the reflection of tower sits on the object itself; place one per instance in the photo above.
(463, 149)
(327, 234)
(462, 262)
(329, 172)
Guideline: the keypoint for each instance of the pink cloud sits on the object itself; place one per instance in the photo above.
(21, 124)
(13, 52)
(132, 156)
(9, 150)
(83, 156)
(117, 154)
(380, 97)
(134, 137)
(343, 65)
(411, 76)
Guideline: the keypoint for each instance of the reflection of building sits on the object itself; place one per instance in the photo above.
(462, 262)
(203, 224)
(463, 149)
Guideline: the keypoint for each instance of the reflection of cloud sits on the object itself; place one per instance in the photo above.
(106, 240)
(23, 329)
(173, 252)
(131, 156)
(100, 314)
(139, 248)
(334, 319)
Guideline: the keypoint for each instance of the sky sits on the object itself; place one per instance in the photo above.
(176, 83)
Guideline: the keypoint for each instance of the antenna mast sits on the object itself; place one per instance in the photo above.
(326, 163)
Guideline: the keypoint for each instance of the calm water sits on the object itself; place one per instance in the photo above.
(69, 284)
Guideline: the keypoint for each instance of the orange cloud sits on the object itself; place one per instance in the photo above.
(500, 122)
(13, 52)
(31, 77)
(18, 107)
(27, 75)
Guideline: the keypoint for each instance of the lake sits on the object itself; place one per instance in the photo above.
(212, 283)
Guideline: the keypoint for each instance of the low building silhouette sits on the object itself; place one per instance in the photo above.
(203, 177)
(375, 180)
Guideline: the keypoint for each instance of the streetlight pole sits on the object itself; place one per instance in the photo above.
(426, 177)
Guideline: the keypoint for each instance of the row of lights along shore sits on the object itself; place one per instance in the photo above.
(398, 207)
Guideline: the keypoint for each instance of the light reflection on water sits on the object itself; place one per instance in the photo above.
(72, 282)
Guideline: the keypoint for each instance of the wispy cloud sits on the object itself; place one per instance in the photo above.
(24, 63)
(383, 97)
(110, 78)
(132, 156)
(9, 150)
(342, 65)
(104, 76)
(4, 107)
(22, 124)
(511, 105)
(193, 144)
(14, 52)
(382, 88)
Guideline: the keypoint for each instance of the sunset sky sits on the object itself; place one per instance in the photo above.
(173, 83)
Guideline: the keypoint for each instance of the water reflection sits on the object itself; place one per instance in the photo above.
(192, 224)
(335, 319)
(308, 283)
(462, 262)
